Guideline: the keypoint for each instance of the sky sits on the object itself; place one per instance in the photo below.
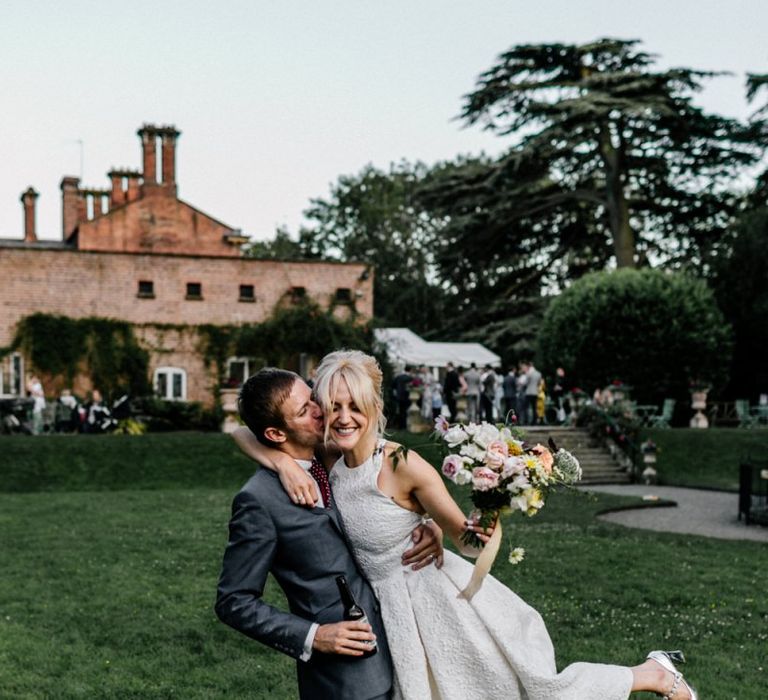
(276, 99)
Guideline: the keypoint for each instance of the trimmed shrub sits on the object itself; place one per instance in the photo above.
(655, 331)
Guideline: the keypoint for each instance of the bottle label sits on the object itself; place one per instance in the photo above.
(371, 643)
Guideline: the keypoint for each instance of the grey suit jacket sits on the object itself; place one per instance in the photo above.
(304, 549)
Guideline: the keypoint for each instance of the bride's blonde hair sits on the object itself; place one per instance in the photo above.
(363, 376)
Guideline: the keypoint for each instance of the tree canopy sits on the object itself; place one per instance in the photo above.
(607, 153)
(374, 217)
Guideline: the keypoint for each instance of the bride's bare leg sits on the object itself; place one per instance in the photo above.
(652, 677)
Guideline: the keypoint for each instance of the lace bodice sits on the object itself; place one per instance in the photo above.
(377, 527)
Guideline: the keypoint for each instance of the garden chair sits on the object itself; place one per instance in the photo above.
(746, 419)
(663, 420)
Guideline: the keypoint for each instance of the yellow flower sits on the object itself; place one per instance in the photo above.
(531, 462)
(514, 448)
(535, 498)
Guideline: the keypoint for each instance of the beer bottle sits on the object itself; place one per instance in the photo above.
(352, 611)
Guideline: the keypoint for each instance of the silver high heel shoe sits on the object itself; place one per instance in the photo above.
(667, 660)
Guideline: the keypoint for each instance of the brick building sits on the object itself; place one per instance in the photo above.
(138, 253)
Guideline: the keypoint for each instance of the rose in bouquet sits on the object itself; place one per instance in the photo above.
(505, 474)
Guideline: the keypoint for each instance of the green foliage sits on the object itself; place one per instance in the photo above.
(653, 330)
(376, 217)
(281, 247)
(705, 458)
(609, 156)
(740, 281)
(61, 346)
(302, 328)
(160, 416)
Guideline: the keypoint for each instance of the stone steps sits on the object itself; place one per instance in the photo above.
(596, 462)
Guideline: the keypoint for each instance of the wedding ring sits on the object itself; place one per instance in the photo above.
(300, 499)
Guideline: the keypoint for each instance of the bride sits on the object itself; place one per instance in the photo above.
(494, 646)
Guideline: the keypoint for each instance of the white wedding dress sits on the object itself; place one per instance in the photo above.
(495, 646)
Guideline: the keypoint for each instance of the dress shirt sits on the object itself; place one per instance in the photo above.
(305, 464)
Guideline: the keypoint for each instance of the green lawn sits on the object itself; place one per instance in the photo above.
(111, 547)
(706, 458)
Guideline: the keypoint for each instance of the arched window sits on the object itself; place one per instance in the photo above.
(170, 383)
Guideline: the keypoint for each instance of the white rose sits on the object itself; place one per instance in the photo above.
(472, 451)
(486, 434)
(455, 436)
(463, 477)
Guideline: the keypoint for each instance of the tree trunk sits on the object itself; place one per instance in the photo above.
(618, 209)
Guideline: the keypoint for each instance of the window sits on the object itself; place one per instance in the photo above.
(239, 369)
(146, 289)
(171, 383)
(344, 295)
(247, 293)
(194, 290)
(298, 294)
(11, 374)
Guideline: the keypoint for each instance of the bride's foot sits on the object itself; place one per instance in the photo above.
(672, 685)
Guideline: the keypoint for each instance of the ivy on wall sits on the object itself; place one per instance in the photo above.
(109, 352)
(61, 347)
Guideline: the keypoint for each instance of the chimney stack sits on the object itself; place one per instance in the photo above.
(70, 205)
(169, 135)
(28, 199)
(148, 135)
(133, 185)
(117, 195)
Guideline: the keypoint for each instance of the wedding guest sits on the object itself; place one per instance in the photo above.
(472, 377)
(451, 387)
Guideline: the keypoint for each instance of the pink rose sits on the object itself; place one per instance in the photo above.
(495, 455)
(484, 479)
(499, 446)
(545, 457)
(452, 464)
(512, 465)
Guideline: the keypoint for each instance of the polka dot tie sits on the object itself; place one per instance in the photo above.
(321, 477)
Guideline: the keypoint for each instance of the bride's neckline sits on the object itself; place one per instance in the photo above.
(378, 448)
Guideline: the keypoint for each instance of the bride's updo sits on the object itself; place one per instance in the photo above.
(363, 376)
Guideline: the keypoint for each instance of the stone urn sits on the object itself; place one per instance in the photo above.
(416, 422)
(228, 398)
(699, 404)
(649, 475)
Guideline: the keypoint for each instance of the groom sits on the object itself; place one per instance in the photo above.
(305, 550)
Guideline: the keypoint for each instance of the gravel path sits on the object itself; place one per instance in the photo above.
(707, 513)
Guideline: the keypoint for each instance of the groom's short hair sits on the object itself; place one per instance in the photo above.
(261, 400)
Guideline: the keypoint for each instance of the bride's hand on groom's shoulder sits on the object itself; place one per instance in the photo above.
(299, 485)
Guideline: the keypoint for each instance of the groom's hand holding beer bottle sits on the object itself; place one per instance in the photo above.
(354, 636)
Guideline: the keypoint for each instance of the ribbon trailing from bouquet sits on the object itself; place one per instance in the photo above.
(483, 564)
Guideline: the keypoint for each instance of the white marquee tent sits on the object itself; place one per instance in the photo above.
(404, 347)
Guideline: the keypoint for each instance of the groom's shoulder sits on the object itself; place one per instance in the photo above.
(261, 485)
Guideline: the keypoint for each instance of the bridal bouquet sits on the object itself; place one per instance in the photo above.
(505, 475)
